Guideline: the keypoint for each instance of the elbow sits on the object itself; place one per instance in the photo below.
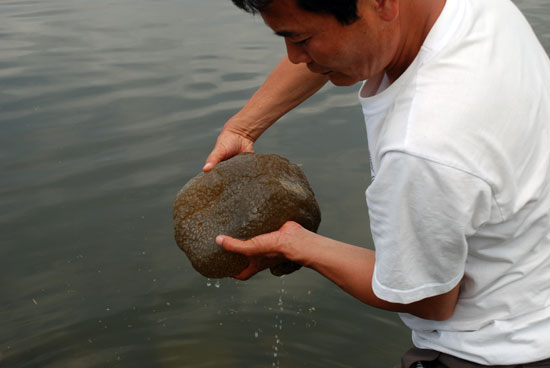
(439, 307)
(431, 310)
(442, 315)
(428, 312)
(437, 314)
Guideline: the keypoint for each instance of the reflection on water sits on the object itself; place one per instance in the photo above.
(107, 108)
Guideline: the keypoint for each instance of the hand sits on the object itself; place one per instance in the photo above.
(228, 144)
(266, 250)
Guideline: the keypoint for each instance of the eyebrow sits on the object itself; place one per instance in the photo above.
(289, 34)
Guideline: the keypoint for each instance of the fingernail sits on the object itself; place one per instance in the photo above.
(219, 240)
(208, 166)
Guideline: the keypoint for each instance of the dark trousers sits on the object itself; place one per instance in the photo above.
(435, 359)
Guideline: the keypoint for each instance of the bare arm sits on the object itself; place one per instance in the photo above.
(348, 266)
(352, 267)
(286, 87)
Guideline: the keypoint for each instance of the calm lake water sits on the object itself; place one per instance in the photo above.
(106, 109)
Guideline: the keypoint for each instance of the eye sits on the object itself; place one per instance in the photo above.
(301, 42)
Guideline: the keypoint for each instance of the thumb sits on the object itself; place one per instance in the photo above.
(213, 159)
(230, 244)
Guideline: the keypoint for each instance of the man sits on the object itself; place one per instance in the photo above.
(457, 108)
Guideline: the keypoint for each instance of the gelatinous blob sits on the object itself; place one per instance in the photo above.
(245, 196)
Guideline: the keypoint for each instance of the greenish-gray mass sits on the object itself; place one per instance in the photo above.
(243, 197)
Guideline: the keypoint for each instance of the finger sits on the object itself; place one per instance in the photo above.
(246, 273)
(231, 244)
(257, 264)
(259, 246)
(208, 166)
(212, 160)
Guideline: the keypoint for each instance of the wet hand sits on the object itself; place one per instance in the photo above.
(266, 250)
(228, 144)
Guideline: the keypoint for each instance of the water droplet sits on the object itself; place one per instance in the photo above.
(217, 284)
(208, 283)
(256, 334)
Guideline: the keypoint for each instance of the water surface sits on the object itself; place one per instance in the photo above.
(106, 109)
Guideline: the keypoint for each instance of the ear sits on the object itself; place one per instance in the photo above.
(388, 10)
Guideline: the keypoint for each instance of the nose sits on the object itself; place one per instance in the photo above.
(296, 53)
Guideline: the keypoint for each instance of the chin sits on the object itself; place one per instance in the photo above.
(342, 80)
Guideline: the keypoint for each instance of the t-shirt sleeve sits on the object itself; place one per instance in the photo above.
(421, 215)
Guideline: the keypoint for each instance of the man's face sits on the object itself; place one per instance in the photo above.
(345, 53)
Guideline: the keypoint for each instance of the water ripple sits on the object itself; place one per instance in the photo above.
(107, 108)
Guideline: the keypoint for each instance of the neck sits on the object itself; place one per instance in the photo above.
(415, 21)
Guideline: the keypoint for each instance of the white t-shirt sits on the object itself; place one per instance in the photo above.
(460, 158)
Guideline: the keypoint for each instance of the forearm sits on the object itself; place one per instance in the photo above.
(286, 87)
(348, 266)
(352, 269)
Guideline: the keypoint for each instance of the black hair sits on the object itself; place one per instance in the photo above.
(345, 11)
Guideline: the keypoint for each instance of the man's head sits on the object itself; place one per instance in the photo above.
(349, 40)
(346, 52)
(345, 11)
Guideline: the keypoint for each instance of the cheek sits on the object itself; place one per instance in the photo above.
(325, 52)
(346, 57)
(318, 55)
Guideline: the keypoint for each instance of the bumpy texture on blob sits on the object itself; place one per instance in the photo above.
(243, 197)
